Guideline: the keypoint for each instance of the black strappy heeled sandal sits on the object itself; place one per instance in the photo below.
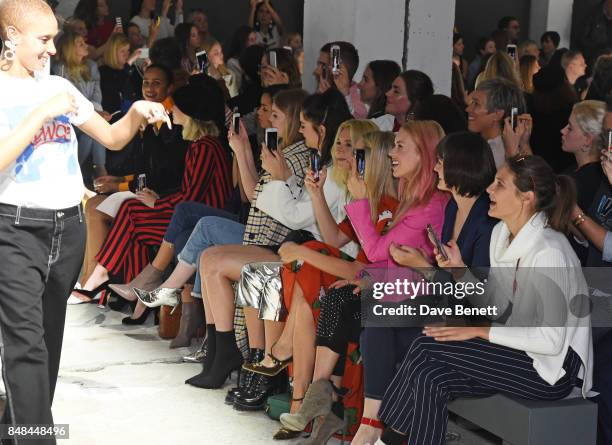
(92, 293)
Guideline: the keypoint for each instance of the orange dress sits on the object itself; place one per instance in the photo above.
(314, 283)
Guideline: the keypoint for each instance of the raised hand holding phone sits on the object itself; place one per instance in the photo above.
(606, 162)
(313, 186)
(202, 60)
(342, 80)
(355, 183)
(315, 163)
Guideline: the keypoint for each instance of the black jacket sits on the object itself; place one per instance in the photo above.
(161, 157)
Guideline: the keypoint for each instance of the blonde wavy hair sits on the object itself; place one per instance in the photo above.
(358, 128)
(379, 175)
(66, 53)
(501, 65)
(208, 46)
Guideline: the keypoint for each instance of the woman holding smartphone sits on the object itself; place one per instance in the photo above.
(532, 359)
(466, 222)
(40, 193)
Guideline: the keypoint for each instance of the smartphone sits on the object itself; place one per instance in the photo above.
(272, 139)
(512, 51)
(144, 53)
(335, 59)
(514, 117)
(437, 243)
(272, 59)
(202, 58)
(609, 140)
(142, 182)
(315, 163)
(236, 123)
(361, 162)
(118, 22)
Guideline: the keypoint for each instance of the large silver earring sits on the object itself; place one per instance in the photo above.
(9, 50)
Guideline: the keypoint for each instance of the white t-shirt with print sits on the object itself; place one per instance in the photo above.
(47, 173)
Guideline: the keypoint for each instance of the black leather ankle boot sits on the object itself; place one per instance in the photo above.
(244, 382)
(260, 389)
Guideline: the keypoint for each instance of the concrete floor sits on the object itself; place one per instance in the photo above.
(122, 385)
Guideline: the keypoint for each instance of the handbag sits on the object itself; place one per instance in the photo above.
(278, 404)
(169, 323)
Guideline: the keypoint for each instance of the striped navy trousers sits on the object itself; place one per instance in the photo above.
(433, 373)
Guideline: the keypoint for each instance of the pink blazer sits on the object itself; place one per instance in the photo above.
(410, 230)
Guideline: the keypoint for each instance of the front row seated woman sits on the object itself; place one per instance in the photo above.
(541, 361)
(465, 220)
(141, 223)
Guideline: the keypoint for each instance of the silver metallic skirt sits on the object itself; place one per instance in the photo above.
(260, 287)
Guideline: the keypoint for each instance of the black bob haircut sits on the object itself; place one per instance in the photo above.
(469, 166)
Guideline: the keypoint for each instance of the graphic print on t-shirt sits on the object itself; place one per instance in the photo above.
(57, 131)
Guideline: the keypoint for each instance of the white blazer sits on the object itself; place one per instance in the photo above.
(291, 205)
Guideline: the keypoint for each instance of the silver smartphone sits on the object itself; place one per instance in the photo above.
(514, 117)
(236, 123)
(272, 59)
(272, 139)
(335, 59)
(202, 59)
(512, 51)
(142, 182)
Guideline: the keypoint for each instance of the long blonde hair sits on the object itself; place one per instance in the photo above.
(208, 46)
(379, 175)
(501, 65)
(358, 129)
(66, 53)
(420, 187)
(115, 42)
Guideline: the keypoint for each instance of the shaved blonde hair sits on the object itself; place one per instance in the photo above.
(20, 13)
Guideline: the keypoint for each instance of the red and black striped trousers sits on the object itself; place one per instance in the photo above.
(136, 229)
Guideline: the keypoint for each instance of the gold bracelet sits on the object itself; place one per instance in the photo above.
(578, 220)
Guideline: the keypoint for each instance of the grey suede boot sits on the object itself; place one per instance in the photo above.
(192, 317)
(317, 402)
(148, 279)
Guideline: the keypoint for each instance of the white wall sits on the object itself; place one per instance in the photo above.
(376, 28)
(430, 40)
(551, 15)
(355, 21)
(65, 8)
